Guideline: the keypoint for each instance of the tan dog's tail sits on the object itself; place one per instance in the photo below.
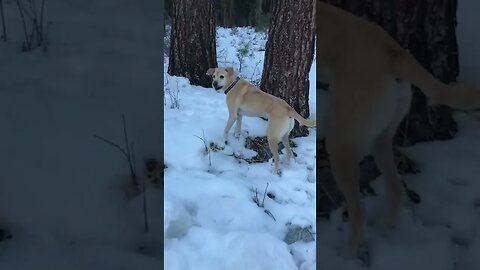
(456, 96)
(303, 122)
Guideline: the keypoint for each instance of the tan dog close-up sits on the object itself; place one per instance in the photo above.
(245, 99)
(369, 75)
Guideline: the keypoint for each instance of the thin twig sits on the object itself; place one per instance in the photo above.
(264, 194)
(207, 150)
(46, 42)
(27, 39)
(33, 22)
(145, 210)
(35, 26)
(42, 11)
(132, 151)
(144, 190)
(27, 12)
(127, 153)
(133, 173)
(270, 214)
(256, 198)
(328, 194)
(112, 144)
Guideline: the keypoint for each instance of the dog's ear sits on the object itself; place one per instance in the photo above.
(210, 71)
(229, 70)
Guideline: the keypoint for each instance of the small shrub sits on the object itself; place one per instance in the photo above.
(34, 28)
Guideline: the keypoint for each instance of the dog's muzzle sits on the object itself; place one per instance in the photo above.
(216, 86)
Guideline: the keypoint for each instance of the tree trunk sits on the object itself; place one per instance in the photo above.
(289, 55)
(224, 13)
(434, 44)
(193, 45)
(258, 12)
(231, 13)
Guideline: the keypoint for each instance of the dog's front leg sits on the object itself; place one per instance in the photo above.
(238, 127)
(230, 121)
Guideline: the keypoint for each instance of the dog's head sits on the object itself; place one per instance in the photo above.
(221, 77)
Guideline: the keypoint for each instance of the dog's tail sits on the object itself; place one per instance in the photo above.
(303, 122)
(456, 96)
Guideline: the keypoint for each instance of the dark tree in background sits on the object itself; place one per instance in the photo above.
(231, 13)
(427, 29)
(257, 12)
(193, 45)
(289, 55)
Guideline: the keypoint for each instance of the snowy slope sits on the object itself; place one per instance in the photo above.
(443, 231)
(62, 190)
(211, 221)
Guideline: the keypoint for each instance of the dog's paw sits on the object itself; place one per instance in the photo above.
(385, 221)
(288, 161)
(361, 253)
(277, 172)
(348, 253)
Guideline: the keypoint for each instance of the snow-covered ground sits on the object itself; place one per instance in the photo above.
(443, 231)
(62, 190)
(211, 221)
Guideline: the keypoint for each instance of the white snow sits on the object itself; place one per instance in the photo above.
(62, 190)
(443, 231)
(211, 221)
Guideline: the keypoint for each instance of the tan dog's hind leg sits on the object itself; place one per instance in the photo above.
(352, 127)
(273, 144)
(286, 143)
(346, 171)
(273, 135)
(384, 157)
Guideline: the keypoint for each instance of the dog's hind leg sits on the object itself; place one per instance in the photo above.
(345, 167)
(273, 145)
(286, 141)
(384, 157)
(273, 136)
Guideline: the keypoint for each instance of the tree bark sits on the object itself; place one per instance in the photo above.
(289, 55)
(193, 45)
(434, 44)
